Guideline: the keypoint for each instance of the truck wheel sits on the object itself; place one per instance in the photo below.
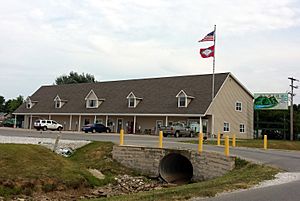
(94, 131)
(165, 134)
(59, 128)
(191, 134)
(108, 130)
(44, 128)
(177, 134)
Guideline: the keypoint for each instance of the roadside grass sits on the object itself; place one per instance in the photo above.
(98, 155)
(25, 169)
(257, 143)
(243, 176)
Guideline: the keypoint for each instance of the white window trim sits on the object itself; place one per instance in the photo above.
(185, 101)
(236, 106)
(134, 102)
(59, 102)
(224, 127)
(88, 103)
(244, 128)
(28, 104)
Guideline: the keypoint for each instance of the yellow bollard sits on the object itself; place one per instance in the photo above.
(265, 142)
(226, 151)
(233, 140)
(219, 139)
(160, 139)
(121, 137)
(200, 145)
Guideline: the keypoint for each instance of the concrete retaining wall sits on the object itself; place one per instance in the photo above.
(146, 160)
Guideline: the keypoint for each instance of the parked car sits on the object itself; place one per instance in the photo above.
(46, 124)
(99, 128)
(177, 130)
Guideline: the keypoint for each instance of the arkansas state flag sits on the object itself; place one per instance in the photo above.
(208, 52)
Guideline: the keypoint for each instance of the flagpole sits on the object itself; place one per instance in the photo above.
(213, 74)
(213, 85)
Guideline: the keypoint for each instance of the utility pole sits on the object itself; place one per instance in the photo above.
(292, 106)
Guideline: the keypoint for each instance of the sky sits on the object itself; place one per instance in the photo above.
(257, 41)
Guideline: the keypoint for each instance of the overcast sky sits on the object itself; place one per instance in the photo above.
(258, 41)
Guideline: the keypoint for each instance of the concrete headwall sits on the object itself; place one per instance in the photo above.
(146, 160)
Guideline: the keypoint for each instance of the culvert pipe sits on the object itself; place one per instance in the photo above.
(176, 168)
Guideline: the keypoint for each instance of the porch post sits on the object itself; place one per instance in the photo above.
(49, 116)
(134, 122)
(79, 122)
(106, 120)
(212, 125)
(200, 125)
(30, 125)
(70, 123)
(15, 123)
(95, 118)
(167, 119)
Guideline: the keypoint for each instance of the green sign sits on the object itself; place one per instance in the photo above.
(271, 101)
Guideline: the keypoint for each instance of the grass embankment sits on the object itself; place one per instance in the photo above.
(25, 169)
(243, 176)
(258, 143)
(30, 168)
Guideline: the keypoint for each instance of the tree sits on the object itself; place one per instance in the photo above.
(74, 77)
(12, 104)
(2, 104)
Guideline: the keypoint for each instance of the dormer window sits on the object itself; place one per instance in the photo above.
(92, 101)
(58, 102)
(183, 100)
(29, 103)
(133, 101)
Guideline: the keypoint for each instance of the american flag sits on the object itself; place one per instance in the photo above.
(208, 37)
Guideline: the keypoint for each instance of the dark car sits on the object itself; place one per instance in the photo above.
(99, 128)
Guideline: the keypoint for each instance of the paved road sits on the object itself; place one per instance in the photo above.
(283, 192)
(286, 160)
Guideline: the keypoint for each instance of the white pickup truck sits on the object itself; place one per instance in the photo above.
(177, 130)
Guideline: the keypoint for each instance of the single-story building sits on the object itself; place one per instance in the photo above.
(143, 105)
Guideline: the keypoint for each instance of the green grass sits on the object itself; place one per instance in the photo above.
(98, 155)
(258, 143)
(28, 168)
(25, 169)
(243, 176)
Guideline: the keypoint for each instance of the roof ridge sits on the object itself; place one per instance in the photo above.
(137, 79)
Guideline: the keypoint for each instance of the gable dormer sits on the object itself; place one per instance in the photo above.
(29, 103)
(58, 102)
(92, 101)
(133, 101)
(183, 100)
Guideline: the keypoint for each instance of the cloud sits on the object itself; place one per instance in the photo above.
(115, 39)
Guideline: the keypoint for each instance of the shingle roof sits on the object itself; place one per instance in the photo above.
(158, 95)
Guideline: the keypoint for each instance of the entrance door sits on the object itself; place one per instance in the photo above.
(119, 125)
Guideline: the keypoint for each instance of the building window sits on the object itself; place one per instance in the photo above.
(92, 103)
(242, 128)
(226, 127)
(182, 102)
(238, 106)
(57, 104)
(131, 102)
(28, 105)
